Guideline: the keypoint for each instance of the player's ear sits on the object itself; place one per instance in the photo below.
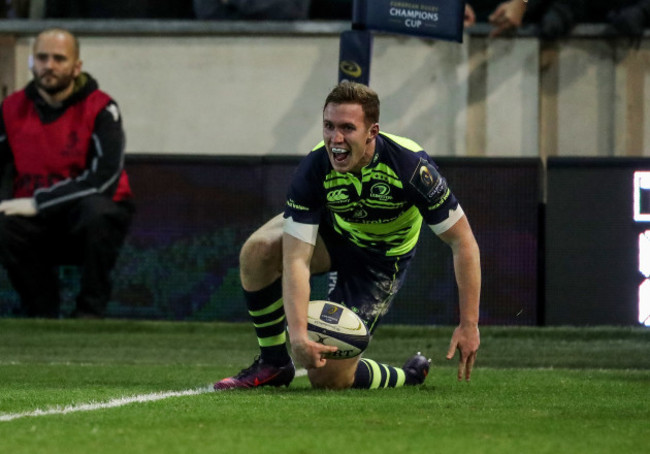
(372, 132)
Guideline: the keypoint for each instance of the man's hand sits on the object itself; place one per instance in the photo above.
(506, 17)
(467, 340)
(469, 18)
(25, 206)
(310, 353)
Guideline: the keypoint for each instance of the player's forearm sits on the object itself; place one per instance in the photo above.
(295, 285)
(295, 293)
(467, 268)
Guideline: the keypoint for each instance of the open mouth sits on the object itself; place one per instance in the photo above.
(339, 154)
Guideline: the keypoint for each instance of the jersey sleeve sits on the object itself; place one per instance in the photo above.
(304, 202)
(433, 196)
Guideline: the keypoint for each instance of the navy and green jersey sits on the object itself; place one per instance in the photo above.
(380, 210)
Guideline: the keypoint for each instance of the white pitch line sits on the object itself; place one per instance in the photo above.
(113, 403)
(101, 405)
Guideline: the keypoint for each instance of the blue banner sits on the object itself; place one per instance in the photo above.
(355, 52)
(438, 19)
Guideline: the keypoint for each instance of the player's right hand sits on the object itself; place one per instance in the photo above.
(310, 354)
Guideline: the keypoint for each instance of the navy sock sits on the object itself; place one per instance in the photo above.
(372, 375)
(266, 309)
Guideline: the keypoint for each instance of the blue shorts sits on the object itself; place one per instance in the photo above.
(364, 281)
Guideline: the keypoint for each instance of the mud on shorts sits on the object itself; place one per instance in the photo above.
(364, 281)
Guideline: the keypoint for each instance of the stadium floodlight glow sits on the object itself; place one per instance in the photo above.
(644, 303)
(642, 214)
(644, 253)
(644, 268)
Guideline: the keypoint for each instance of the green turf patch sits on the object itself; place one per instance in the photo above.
(535, 390)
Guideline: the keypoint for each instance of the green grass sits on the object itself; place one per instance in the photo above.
(534, 390)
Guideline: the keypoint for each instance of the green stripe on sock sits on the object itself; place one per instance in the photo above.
(401, 377)
(267, 310)
(386, 375)
(272, 322)
(274, 340)
(375, 373)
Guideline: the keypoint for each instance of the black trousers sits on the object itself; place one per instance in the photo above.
(89, 233)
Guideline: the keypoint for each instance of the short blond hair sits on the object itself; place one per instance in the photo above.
(356, 93)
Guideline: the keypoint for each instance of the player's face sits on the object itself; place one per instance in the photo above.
(55, 63)
(349, 141)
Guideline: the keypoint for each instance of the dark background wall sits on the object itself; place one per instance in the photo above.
(592, 250)
(194, 213)
(570, 261)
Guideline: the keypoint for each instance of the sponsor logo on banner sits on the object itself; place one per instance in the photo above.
(438, 19)
(351, 69)
(414, 15)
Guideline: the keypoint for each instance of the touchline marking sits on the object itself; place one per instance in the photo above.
(101, 405)
(113, 403)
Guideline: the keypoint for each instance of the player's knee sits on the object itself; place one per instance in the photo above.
(260, 252)
(334, 379)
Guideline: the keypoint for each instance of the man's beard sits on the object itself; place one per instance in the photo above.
(62, 83)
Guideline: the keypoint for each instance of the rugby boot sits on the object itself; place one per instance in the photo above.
(259, 374)
(416, 369)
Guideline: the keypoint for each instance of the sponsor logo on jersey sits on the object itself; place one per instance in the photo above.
(430, 183)
(338, 196)
(360, 213)
(380, 191)
(292, 204)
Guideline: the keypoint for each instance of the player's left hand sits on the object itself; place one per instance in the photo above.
(466, 339)
(24, 206)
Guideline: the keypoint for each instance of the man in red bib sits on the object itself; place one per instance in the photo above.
(65, 195)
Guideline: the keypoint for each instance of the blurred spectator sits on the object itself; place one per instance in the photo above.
(504, 16)
(470, 16)
(555, 18)
(630, 18)
(330, 9)
(508, 16)
(120, 9)
(14, 9)
(251, 9)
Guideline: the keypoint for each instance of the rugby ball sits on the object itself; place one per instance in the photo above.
(331, 323)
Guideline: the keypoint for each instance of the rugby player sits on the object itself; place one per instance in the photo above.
(355, 207)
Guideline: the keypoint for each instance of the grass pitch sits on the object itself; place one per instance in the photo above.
(534, 390)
